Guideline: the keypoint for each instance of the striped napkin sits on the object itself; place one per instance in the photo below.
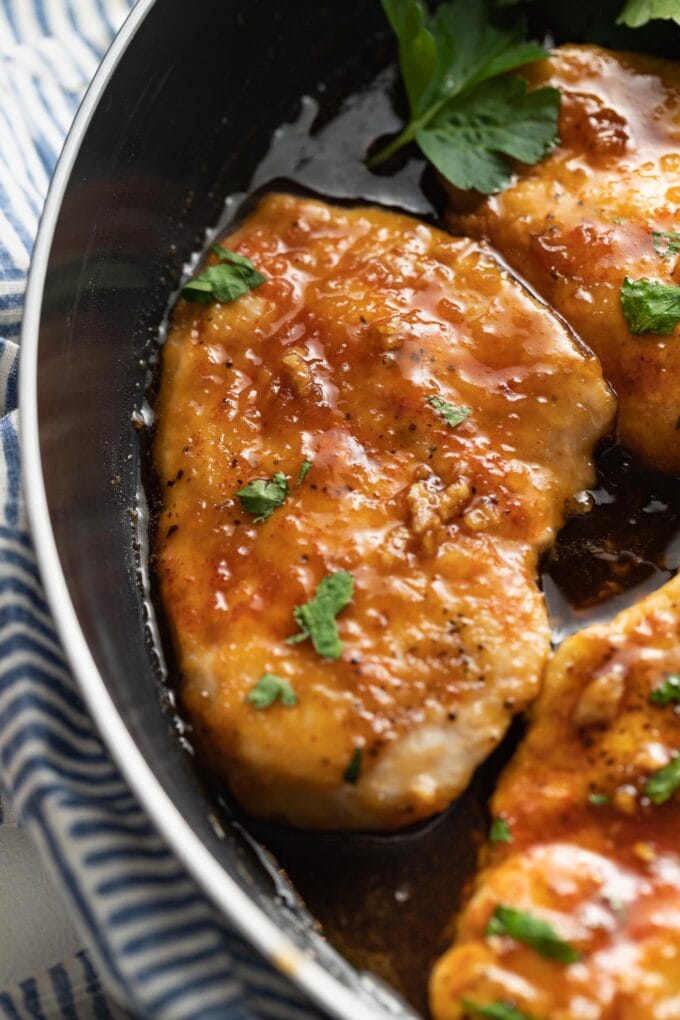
(152, 945)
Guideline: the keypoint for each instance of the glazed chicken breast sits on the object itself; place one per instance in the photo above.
(417, 421)
(576, 912)
(603, 209)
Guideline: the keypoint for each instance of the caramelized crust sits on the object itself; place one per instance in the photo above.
(364, 316)
(604, 874)
(580, 221)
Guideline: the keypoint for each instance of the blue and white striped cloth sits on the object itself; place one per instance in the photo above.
(153, 945)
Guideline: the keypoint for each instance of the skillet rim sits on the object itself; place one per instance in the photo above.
(253, 923)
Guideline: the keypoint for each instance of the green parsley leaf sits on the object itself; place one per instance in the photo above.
(232, 277)
(536, 933)
(449, 412)
(598, 799)
(661, 786)
(263, 496)
(268, 689)
(668, 691)
(495, 1010)
(650, 306)
(666, 242)
(596, 22)
(465, 114)
(500, 831)
(304, 471)
(467, 143)
(351, 773)
(317, 617)
(639, 12)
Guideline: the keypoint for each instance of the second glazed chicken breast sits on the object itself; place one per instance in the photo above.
(601, 209)
(576, 914)
(416, 421)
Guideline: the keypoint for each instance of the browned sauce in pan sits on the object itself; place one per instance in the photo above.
(385, 901)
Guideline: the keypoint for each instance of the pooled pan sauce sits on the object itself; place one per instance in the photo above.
(385, 901)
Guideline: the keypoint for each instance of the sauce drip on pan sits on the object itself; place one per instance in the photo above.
(385, 901)
(624, 546)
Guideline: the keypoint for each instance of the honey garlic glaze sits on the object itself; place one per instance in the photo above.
(364, 319)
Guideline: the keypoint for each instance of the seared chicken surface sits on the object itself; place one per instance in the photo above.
(365, 317)
(593, 822)
(579, 222)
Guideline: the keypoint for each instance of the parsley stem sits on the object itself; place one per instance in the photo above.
(412, 128)
(402, 139)
(408, 134)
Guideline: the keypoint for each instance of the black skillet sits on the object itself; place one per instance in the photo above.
(180, 115)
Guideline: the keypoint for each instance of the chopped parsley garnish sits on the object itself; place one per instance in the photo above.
(270, 688)
(666, 243)
(316, 618)
(500, 831)
(650, 306)
(466, 113)
(533, 931)
(233, 276)
(661, 786)
(263, 496)
(668, 691)
(495, 1010)
(304, 471)
(638, 12)
(353, 770)
(449, 412)
(598, 799)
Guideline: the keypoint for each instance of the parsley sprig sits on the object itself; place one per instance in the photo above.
(533, 931)
(638, 12)
(262, 496)
(650, 306)
(316, 618)
(465, 113)
(666, 243)
(667, 691)
(661, 785)
(451, 414)
(233, 276)
(305, 468)
(634, 14)
(353, 770)
(495, 1010)
(270, 688)
(500, 831)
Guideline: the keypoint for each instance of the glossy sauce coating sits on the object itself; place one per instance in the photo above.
(577, 223)
(364, 316)
(604, 874)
